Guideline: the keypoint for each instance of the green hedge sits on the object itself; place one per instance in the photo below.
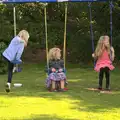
(3, 65)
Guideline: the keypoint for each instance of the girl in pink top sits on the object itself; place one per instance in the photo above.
(104, 55)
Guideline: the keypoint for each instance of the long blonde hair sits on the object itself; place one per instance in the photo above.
(24, 34)
(54, 54)
(101, 47)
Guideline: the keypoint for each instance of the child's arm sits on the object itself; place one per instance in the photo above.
(23, 41)
(19, 52)
(62, 66)
(112, 53)
(51, 68)
(62, 63)
(94, 56)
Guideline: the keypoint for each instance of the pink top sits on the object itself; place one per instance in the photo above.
(104, 61)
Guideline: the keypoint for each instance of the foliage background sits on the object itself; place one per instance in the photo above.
(30, 16)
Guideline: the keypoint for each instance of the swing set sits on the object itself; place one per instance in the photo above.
(65, 21)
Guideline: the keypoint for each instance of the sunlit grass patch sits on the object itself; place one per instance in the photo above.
(33, 102)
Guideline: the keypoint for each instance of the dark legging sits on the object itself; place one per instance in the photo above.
(107, 75)
(10, 70)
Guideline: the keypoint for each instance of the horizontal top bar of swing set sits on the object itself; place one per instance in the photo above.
(48, 1)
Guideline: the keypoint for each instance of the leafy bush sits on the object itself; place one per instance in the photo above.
(3, 67)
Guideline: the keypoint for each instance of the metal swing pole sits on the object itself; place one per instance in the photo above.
(14, 18)
(111, 19)
(46, 38)
(65, 27)
(14, 24)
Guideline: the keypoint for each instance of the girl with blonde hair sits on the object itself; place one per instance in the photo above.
(56, 70)
(13, 53)
(104, 55)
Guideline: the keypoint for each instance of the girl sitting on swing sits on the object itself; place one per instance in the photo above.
(56, 70)
(104, 55)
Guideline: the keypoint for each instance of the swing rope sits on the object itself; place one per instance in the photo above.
(111, 28)
(91, 29)
(65, 26)
(46, 38)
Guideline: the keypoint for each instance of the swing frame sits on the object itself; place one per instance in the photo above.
(91, 27)
(65, 22)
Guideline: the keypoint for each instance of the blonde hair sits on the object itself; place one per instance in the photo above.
(24, 34)
(54, 54)
(100, 47)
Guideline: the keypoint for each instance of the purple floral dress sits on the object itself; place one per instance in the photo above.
(55, 76)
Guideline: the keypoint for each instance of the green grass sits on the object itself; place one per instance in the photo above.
(33, 102)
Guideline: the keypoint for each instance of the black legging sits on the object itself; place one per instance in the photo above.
(107, 75)
(10, 70)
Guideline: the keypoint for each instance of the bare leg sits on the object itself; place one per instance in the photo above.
(62, 84)
(53, 84)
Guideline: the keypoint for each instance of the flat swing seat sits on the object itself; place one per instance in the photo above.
(101, 91)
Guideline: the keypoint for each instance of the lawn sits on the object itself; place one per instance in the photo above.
(33, 102)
